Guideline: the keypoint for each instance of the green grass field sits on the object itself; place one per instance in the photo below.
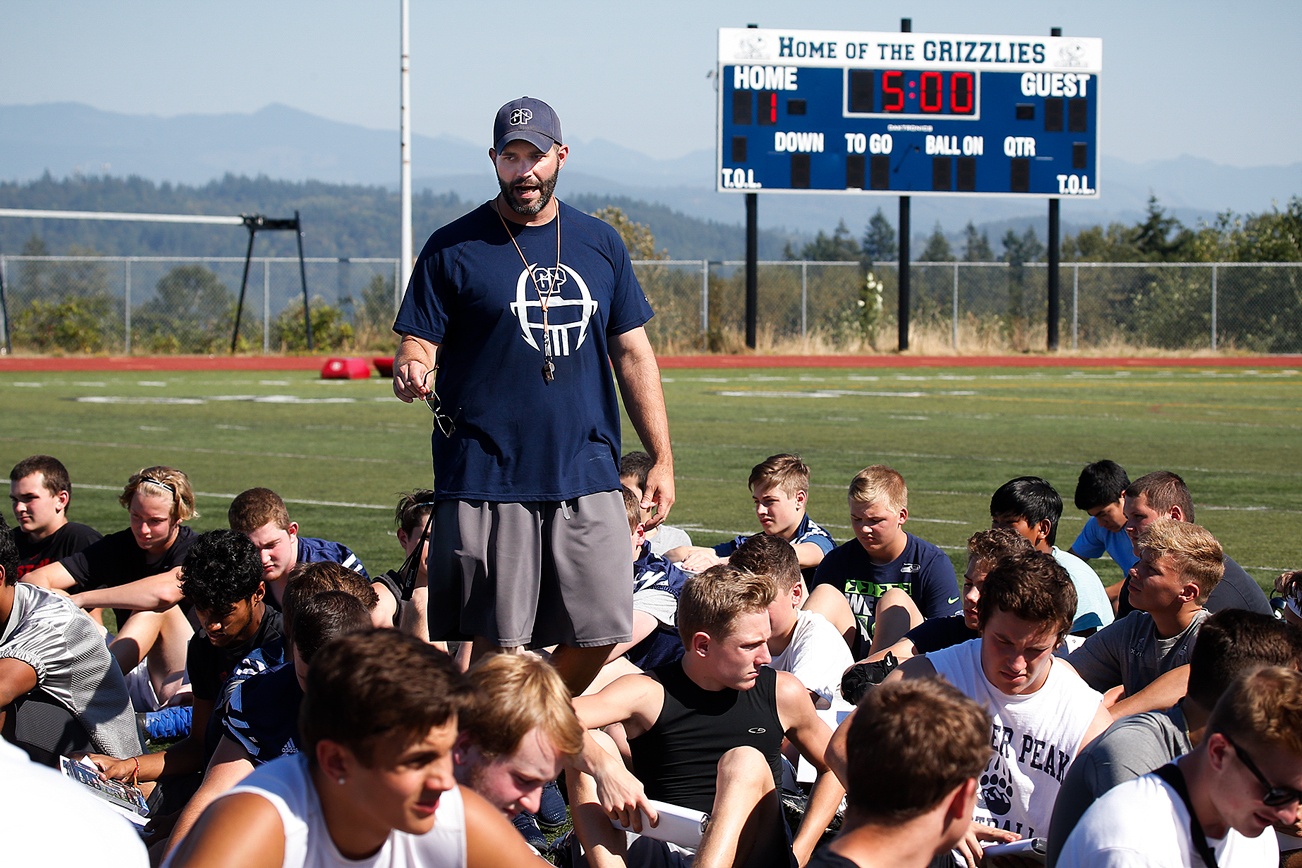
(339, 452)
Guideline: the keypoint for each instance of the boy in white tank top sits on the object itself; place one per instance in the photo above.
(374, 783)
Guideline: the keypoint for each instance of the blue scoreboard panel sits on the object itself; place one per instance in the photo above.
(907, 113)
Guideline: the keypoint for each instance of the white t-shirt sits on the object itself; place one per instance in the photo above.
(47, 820)
(1035, 737)
(818, 656)
(1143, 822)
(287, 784)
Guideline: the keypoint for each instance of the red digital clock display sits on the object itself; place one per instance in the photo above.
(911, 92)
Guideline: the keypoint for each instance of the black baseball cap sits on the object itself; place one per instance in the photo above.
(528, 119)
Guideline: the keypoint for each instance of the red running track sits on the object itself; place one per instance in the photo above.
(21, 364)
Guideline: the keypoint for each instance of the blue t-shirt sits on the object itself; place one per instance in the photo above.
(922, 571)
(262, 714)
(1093, 541)
(516, 438)
(653, 574)
(322, 551)
(806, 532)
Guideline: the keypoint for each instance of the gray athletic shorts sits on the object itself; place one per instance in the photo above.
(532, 574)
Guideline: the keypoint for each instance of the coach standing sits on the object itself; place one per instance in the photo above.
(513, 318)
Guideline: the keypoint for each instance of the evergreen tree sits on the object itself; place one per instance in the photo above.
(937, 248)
(838, 247)
(1019, 249)
(879, 244)
(976, 247)
(1161, 236)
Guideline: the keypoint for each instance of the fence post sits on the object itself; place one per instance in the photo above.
(398, 290)
(1075, 302)
(804, 296)
(705, 304)
(1213, 307)
(954, 315)
(4, 309)
(126, 315)
(266, 306)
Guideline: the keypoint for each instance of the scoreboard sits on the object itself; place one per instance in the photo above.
(907, 113)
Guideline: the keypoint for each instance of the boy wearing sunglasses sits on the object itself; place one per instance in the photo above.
(1216, 805)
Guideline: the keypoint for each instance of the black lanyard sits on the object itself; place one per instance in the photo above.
(1172, 775)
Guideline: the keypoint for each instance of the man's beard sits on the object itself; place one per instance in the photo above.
(546, 188)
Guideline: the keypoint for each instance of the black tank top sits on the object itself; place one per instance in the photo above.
(677, 759)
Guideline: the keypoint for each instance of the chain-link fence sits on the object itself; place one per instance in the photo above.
(979, 307)
(158, 305)
(151, 305)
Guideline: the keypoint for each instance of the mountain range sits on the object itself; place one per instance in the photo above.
(285, 144)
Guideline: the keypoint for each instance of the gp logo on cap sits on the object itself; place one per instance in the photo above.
(527, 119)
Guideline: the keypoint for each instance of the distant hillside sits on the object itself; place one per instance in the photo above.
(339, 220)
(71, 140)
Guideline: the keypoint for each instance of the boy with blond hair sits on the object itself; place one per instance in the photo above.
(137, 572)
(885, 581)
(779, 487)
(1180, 564)
(802, 642)
(516, 737)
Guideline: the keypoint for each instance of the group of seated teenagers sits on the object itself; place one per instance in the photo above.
(928, 723)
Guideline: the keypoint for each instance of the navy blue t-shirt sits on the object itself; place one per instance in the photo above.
(936, 633)
(922, 571)
(651, 572)
(517, 438)
(312, 551)
(262, 714)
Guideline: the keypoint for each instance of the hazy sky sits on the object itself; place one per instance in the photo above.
(1218, 80)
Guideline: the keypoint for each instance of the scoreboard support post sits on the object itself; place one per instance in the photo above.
(752, 262)
(903, 301)
(1051, 328)
(1054, 257)
(752, 269)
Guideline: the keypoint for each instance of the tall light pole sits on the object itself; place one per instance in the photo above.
(405, 257)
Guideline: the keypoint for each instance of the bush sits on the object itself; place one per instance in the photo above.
(74, 325)
(330, 328)
(192, 312)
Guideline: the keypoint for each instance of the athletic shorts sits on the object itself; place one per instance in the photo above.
(532, 574)
(141, 688)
